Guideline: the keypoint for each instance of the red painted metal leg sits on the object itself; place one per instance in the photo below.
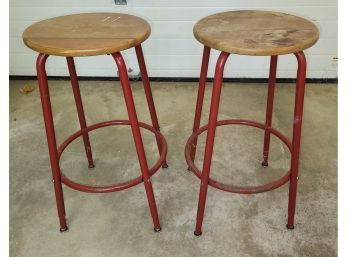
(200, 97)
(51, 138)
(79, 107)
(149, 98)
(270, 97)
(137, 137)
(296, 137)
(214, 108)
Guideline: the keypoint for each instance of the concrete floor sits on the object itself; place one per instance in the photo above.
(119, 224)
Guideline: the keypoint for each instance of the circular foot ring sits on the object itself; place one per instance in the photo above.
(231, 188)
(114, 187)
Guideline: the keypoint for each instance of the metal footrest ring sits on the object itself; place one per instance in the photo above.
(114, 187)
(231, 188)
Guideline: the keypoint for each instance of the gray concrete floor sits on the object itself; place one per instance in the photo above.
(119, 224)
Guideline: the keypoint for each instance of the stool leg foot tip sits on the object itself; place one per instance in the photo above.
(291, 227)
(265, 163)
(157, 229)
(63, 229)
(197, 233)
(165, 166)
(91, 166)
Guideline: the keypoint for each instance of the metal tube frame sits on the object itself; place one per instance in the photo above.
(293, 145)
(127, 92)
(200, 98)
(296, 135)
(55, 153)
(149, 97)
(208, 153)
(79, 107)
(51, 138)
(269, 109)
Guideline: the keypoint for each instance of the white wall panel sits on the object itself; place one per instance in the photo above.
(171, 50)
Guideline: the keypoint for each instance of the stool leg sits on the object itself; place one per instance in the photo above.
(149, 98)
(51, 138)
(79, 107)
(270, 97)
(296, 137)
(200, 98)
(214, 108)
(137, 137)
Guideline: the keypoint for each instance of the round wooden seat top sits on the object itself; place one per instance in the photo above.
(256, 32)
(86, 34)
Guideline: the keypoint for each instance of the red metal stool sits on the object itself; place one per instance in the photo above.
(258, 33)
(93, 34)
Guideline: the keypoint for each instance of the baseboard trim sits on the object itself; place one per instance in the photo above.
(182, 79)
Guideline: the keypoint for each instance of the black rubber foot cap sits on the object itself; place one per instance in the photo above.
(157, 229)
(91, 166)
(188, 168)
(164, 166)
(63, 229)
(265, 164)
(290, 227)
(197, 233)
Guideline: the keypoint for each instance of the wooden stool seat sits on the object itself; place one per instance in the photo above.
(262, 33)
(86, 34)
